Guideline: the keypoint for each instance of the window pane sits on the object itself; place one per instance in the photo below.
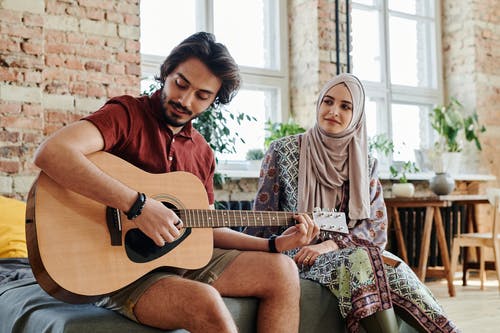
(366, 53)
(375, 120)
(249, 29)
(371, 116)
(411, 52)
(365, 2)
(163, 28)
(410, 130)
(415, 7)
(253, 102)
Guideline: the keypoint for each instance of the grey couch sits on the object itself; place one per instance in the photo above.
(26, 308)
(319, 312)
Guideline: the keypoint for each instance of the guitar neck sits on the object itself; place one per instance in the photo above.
(210, 218)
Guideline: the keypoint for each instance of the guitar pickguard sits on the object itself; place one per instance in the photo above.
(140, 248)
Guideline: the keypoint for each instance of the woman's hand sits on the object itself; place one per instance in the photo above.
(309, 253)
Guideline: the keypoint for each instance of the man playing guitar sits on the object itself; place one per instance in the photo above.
(156, 135)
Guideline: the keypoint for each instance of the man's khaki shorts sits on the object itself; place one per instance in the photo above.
(124, 300)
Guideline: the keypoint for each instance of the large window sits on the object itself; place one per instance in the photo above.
(255, 34)
(394, 53)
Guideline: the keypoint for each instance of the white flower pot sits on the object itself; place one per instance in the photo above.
(403, 189)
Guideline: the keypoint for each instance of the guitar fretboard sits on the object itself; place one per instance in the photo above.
(209, 218)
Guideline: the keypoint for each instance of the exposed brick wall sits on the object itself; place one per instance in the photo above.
(59, 60)
(471, 62)
(62, 59)
(312, 52)
(304, 58)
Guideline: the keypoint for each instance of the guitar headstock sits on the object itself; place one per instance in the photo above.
(330, 220)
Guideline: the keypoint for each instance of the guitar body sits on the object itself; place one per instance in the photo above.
(69, 244)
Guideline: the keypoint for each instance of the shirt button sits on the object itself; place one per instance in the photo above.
(170, 158)
(173, 140)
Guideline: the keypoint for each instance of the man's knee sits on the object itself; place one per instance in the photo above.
(213, 307)
(210, 297)
(206, 310)
(288, 265)
(284, 271)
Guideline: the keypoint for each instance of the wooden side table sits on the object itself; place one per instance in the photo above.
(432, 216)
(432, 206)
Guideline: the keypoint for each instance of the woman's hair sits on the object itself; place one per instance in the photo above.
(215, 56)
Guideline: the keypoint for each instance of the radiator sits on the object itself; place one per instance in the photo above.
(412, 223)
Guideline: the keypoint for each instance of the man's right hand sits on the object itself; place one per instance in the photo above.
(158, 222)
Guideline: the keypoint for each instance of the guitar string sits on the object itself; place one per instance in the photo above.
(198, 218)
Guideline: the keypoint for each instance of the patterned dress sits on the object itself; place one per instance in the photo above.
(355, 273)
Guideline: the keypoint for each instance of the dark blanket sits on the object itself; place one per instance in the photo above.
(26, 308)
(12, 269)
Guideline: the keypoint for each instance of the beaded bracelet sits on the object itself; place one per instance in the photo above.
(137, 207)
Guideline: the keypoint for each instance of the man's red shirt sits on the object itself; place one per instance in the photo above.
(134, 129)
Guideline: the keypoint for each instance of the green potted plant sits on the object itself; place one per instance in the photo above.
(400, 172)
(276, 130)
(380, 143)
(254, 158)
(453, 126)
(381, 147)
(384, 146)
(256, 154)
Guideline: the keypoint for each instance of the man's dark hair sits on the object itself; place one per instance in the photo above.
(215, 56)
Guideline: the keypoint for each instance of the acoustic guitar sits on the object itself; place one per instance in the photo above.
(80, 250)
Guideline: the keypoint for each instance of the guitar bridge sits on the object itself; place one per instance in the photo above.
(114, 223)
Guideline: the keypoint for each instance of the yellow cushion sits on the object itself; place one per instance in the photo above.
(12, 232)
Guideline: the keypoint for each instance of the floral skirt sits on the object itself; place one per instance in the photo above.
(357, 276)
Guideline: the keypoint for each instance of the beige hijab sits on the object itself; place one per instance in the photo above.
(328, 160)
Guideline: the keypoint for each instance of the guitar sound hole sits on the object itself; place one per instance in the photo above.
(140, 248)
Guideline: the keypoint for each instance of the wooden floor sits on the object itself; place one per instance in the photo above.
(472, 310)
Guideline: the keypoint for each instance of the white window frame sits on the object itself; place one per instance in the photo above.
(392, 93)
(252, 77)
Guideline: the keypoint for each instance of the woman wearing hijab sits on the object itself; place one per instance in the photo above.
(329, 167)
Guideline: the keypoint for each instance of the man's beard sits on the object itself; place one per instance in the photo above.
(171, 119)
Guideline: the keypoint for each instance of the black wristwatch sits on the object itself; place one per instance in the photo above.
(272, 244)
(137, 207)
